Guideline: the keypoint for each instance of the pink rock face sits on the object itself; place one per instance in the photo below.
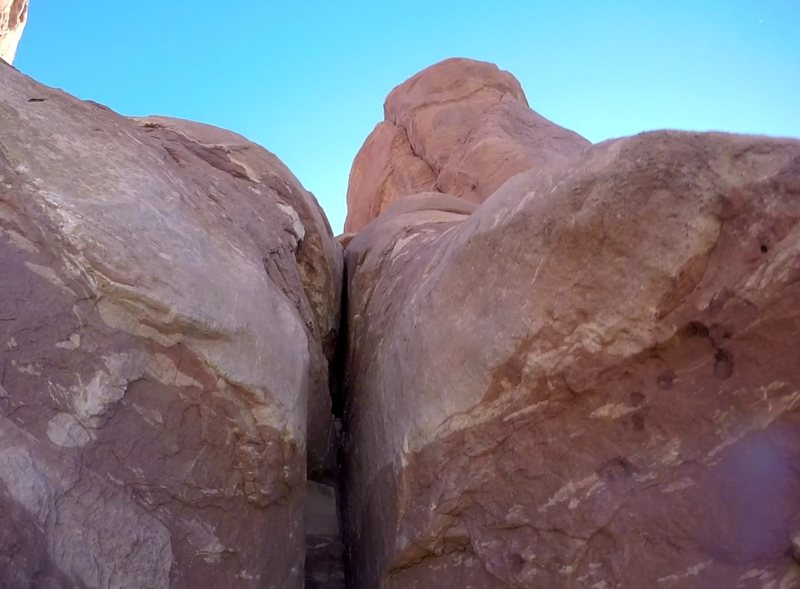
(460, 127)
(589, 381)
(385, 170)
(13, 16)
(169, 302)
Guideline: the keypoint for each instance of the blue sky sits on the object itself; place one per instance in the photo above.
(308, 80)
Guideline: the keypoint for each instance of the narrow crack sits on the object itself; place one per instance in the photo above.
(325, 551)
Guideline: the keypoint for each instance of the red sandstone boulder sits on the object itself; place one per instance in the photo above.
(462, 127)
(589, 381)
(168, 307)
(13, 16)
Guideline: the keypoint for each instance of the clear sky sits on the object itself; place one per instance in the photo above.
(307, 79)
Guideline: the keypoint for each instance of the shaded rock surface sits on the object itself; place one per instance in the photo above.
(324, 547)
(589, 381)
(461, 127)
(169, 305)
(13, 16)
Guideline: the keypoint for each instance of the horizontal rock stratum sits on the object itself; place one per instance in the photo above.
(13, 16)
(169, 302)
(589, 380)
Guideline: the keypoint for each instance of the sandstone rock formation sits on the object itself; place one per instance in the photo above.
(169, 303)
(589, 381)
(563, 365)
(461, 127)
(13, 16)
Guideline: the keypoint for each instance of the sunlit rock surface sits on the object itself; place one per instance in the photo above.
(462, 127)
(169, 304)
(13, 16)
(563, 365)
(590, 380)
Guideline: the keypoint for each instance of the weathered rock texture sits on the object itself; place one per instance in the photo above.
(590, 381)
(169, 295)
(13, 16)
(461, 127)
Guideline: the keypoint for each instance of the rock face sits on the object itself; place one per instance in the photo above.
(564, 365)
(169, 304)
(13, 16)
(324, 548)
(589, 381)
(462, 127)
